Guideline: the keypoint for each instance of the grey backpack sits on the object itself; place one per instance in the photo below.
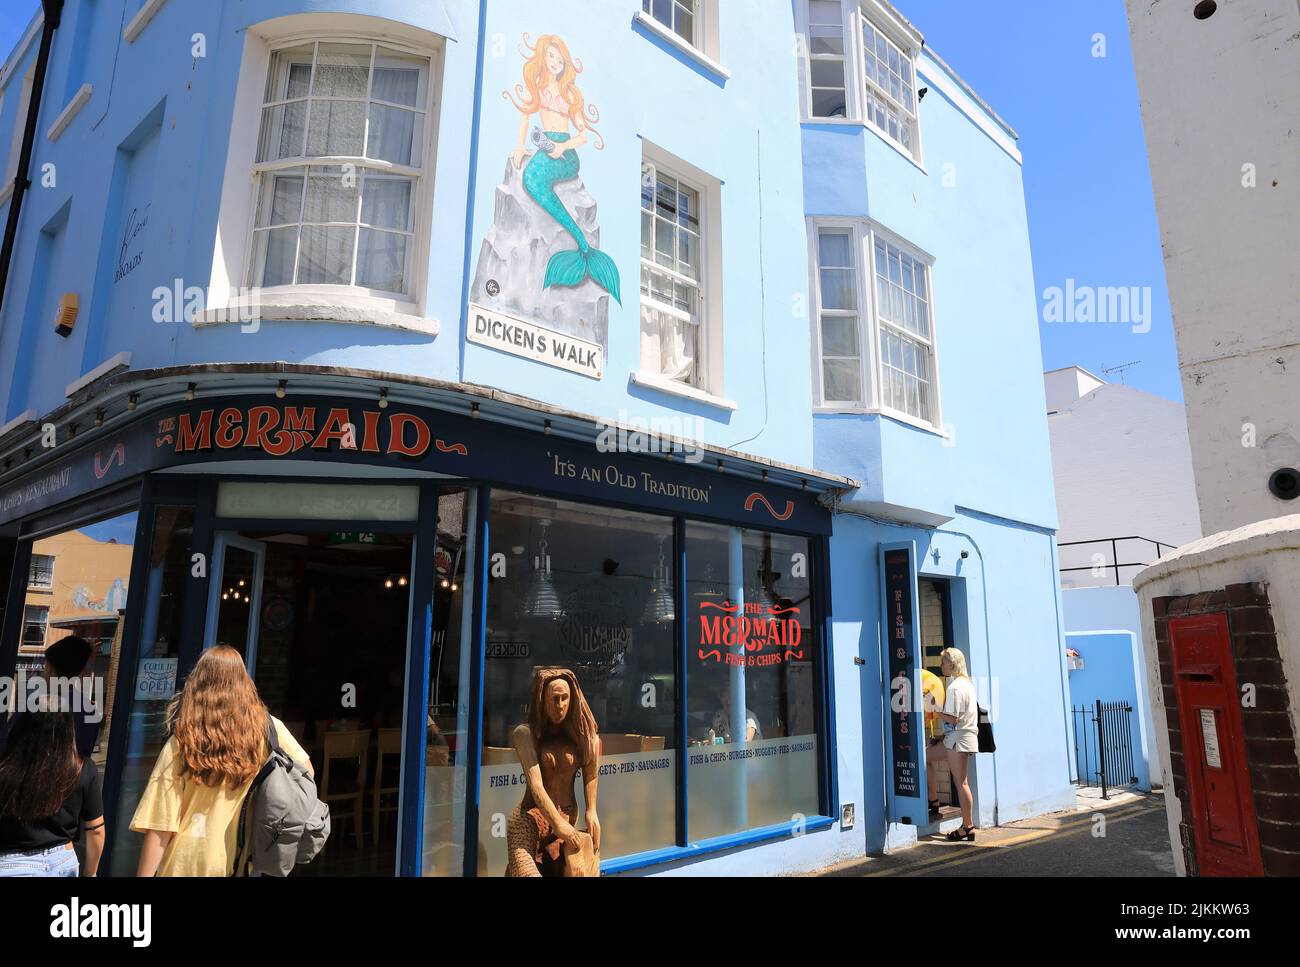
(282, 823)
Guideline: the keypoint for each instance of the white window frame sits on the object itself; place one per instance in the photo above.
(864, 233)
(804, 28)
(704, 41)
(232, 259)
(32, 585)
(20, 127)
(708, 381)
(856, 13)
(906, 52)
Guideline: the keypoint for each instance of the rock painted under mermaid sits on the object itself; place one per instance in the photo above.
(570, 268)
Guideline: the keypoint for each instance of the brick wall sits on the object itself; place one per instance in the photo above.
(1268, 733)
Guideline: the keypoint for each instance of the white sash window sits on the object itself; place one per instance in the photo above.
(671, 277)
(339, 168)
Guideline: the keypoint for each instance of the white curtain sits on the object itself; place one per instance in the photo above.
(667, 345)
(326, 253)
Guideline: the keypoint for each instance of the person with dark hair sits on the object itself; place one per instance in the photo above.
(68, 659)
(49, 796)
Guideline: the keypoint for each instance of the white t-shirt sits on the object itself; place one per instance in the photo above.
(960, 701)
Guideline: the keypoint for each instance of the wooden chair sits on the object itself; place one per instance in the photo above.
(355, 746)
(390, 743)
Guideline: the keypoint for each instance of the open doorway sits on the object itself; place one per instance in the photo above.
(322, 619)
(934, 607)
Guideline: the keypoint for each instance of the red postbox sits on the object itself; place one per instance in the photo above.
(1214, 750)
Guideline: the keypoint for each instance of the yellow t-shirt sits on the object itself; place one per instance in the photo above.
(205, 819)
(932, 689)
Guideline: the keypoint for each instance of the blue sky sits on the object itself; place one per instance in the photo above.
(1091, 214)
(15, 17)
(1087, 184)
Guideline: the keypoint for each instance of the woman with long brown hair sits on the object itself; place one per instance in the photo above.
(189, 812)
(560, 738)
(49, 797)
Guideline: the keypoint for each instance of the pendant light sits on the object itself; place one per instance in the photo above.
(543, 601)
(707, 585)
(659, 607)
(764, 592)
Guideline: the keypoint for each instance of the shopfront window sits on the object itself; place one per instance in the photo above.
(161, 632)
(77, 585)
(751, 680)
(585, 590)
(446, 753)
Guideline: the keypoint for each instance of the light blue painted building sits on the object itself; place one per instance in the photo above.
(926, 392)
(464, 341)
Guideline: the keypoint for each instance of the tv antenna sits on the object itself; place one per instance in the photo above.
(1122, 369)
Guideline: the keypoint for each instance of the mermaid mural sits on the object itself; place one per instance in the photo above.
(529, 266)
(550, 90)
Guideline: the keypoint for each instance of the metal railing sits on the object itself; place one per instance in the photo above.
(1103, 745)
(1115, 565)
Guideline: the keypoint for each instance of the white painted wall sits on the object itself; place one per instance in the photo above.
(1219, 95)
(1123, 467)
(1064, 386)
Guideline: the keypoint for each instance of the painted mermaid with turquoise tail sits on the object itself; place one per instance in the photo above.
(550, 91)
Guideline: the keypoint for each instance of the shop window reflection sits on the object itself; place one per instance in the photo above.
(447, 720)
(155, 679)
(77, 585)
(581, 588)
(751, 658)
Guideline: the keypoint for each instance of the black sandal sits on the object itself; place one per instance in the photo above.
(962, 833)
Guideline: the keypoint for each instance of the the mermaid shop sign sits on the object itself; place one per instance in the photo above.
(519, 338)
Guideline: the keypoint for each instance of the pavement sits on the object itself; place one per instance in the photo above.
(1124, 836)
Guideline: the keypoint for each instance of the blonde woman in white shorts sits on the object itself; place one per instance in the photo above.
(960, 717)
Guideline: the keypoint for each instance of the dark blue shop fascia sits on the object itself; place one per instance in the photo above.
(158, 422)
(368, 424)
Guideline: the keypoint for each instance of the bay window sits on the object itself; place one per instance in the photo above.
(862, 41)
(339, 166)
(874, 316)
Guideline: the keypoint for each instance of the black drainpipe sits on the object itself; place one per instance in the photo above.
(53, 14)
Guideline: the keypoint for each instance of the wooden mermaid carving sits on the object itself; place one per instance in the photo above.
(560, 738)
